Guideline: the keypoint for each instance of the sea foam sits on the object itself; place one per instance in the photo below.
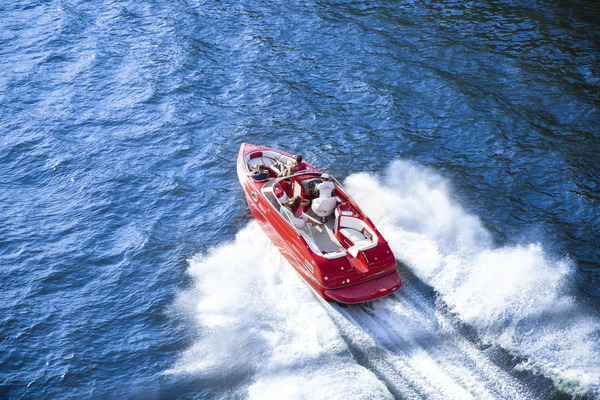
(262, 330)
(516, 296)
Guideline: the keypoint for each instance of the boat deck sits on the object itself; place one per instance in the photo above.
(323, 236)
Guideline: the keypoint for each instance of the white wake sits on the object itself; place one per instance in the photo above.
(263, 333)
(260, 325)
(516, 297)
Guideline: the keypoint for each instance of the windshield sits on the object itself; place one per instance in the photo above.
(268, 187)
(267, 191)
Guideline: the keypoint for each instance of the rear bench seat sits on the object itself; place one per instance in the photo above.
(355, 230)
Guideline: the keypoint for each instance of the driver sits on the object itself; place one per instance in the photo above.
(326, 187)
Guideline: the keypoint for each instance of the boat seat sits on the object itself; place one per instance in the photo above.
(287, 214)
(324, 207)
(279, 192)
(256, 161)
(277, 165)
(355, 230)
(356, 237)
(311, 243)
(275, 169)
(299, 223)
(271, 160)
(360, 241)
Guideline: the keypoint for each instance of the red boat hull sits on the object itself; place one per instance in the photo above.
(349, 276)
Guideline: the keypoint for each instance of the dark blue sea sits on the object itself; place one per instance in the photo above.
(131, 267)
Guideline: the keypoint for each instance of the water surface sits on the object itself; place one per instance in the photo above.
(131, 266)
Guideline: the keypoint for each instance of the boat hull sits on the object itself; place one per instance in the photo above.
(338, 277)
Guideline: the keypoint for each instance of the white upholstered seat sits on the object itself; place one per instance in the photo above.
(323, 207)
(298, 223)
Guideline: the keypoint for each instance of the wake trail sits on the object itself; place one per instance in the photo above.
(419, 351)
(515, 297)
(471, 321)
(261, 332)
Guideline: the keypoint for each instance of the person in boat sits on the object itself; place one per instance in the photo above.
(324, 205)
(295, 205)
(278, 166)
(326, 187)
(295, 166)
(258, 173)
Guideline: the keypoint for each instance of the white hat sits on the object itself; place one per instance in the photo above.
(325, 176)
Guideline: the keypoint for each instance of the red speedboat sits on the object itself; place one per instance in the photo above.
(345, 258)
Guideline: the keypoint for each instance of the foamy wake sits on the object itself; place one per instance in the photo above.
(262, 332)
(516, 297)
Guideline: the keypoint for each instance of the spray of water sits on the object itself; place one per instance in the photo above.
(262, 333)
(516, 297)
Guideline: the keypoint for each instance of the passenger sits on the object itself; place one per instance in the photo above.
(295, 166)
(300, 165)
(326, 187)
(296, 204)
(258, 173)
(278, 167)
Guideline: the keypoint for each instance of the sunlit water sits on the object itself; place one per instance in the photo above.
(131, 266)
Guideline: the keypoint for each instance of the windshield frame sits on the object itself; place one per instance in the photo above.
(267, 189)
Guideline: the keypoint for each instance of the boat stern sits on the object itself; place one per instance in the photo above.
(366, 291)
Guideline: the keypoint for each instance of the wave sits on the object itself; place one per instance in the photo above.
(261, 332)
(518, 297)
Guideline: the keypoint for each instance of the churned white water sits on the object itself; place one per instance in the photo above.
(259, 325)
(263, 333)
(517, 296)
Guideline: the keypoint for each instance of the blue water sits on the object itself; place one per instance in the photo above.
(131, 266)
